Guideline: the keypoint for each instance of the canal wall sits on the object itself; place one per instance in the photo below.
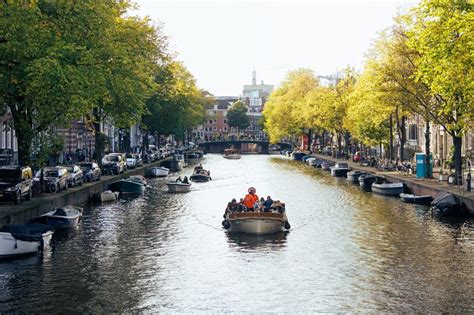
(415, 185)
(80, 195)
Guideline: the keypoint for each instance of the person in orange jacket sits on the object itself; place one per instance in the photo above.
(251, 199)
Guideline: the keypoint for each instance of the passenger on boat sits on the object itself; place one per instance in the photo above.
(251, 198)
(268, 204)
(232, 206)
(278, 206)
(241, 207)
(185, 180)
(261, 204)
(198, 167)
(179, 180)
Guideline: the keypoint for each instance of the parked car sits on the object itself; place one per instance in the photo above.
(91, 171)
(131, 161)
(113, 163)
(75, 175)
(15, 183)
(55, 178)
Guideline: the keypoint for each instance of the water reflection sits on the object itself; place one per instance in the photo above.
(347, 251)
(257, 242)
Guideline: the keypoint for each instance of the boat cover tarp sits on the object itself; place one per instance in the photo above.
(445, 200)
(29, 232)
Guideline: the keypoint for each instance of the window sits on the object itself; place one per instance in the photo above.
(210, 122)
(225, 121)
(413, 132)
(215, 128)
(215, 121)
(225, 128)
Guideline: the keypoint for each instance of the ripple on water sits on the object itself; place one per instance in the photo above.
(347, 251)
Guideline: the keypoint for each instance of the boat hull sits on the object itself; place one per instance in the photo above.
(70, 216)
(158, 172)
(178, 187)
(256, 222)
(422, 200)
(199, 178)
(11, 247)
(339, 172)
(108, 196)
(127, 187)
(384, 189)
(232, 156)
(353, 177)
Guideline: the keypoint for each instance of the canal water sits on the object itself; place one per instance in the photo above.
(347, 251)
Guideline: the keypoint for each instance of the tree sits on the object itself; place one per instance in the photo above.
(237, 116)
(441, 32)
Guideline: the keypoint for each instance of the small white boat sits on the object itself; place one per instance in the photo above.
(17, 239)
(412, 198)
(231, 154)
(340, 170)
(63, 217)
(108, 195)
(177, 187)
(391, 189)
(256, 222)
(158, 171)
(311, 161)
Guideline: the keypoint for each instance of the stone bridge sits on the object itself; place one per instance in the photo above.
(244, 146)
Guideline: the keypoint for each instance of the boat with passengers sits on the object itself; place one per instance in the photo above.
(232, 154)
(255, 216)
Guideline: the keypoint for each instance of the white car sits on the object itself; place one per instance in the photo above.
(131, 162)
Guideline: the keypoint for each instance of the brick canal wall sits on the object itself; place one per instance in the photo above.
(414, 185)
(73, 196)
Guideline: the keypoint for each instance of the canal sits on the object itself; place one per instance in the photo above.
(347, 251)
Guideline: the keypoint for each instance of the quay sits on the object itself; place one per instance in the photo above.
(418, 186)
(79, 195)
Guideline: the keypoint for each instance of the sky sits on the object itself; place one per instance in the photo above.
(222, 42)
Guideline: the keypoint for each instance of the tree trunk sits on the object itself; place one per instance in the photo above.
(390, 149)
(427, 150)
(346, 144)
(24, 137)
(145, 141)
(402, 135)
(457, 141)
(98, 140)
(310, 139)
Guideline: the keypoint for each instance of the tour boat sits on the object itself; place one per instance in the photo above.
(390, 189)
(326, 165)
(177, 187)
(353, 176)
(340, 170)
(411, 198)
(256, 222)
(63, 217)
(127, 186)
(158, 171)
(200, 175)
(231, 154)
(19, 239)
(108, 195)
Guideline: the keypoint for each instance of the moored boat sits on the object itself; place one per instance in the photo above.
(389, 189)
(366, 181)
(19, 239)
(340, 170)
(412, 198)
(108, 195)
(127, 186)
(63, 217)
(176, 187)
(256, 222)
(447, 204)
(139, 179)
(326, 165)
(353, 176)
(158, 171)
(231, 154)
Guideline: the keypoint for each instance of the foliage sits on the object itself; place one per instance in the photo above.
(237, 116)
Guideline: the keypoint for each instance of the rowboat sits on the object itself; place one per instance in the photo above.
(63, 217)
(411, 198)
(127, 186)
(158, 171)
(177, 187)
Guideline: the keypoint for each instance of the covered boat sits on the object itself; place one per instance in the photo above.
(447, 204)
(19, 239)
(412, 198)
(353, 176)
(340, 170)
(160, 171)
(200, 175)
(177, 187)
(389, 189)
(256, 222)
(232, 154)
(127, 186)
(63, 217)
